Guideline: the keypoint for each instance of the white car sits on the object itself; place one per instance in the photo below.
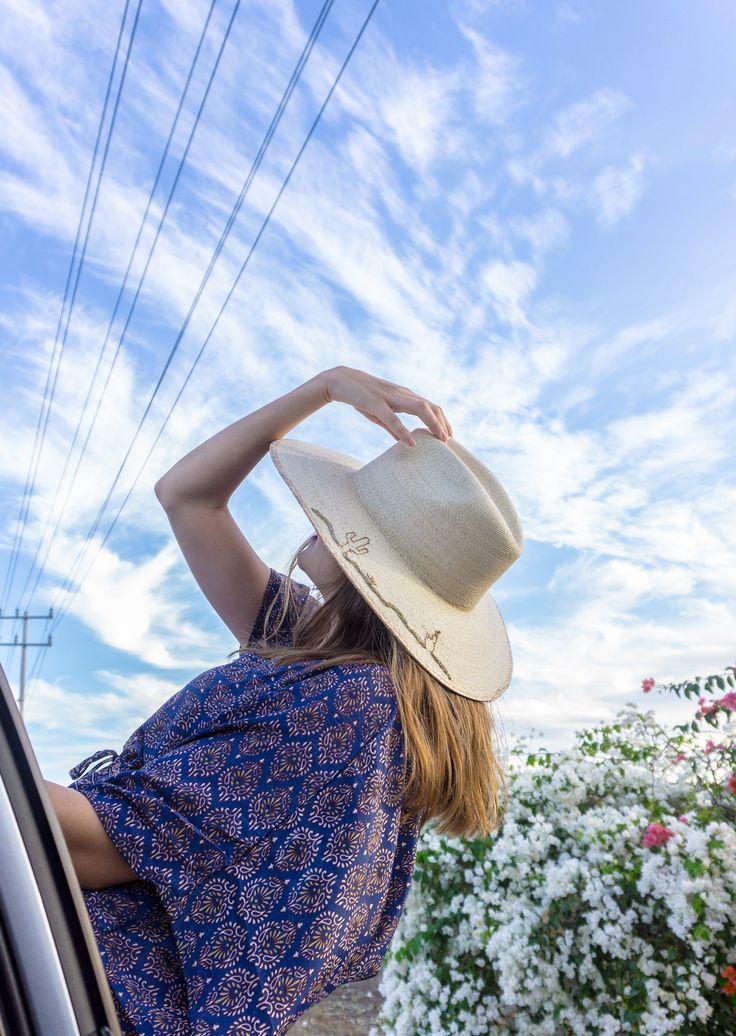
(52, 981)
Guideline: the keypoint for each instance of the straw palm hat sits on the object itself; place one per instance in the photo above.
(423, 532)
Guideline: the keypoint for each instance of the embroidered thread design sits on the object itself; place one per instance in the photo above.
(356, 546)
(429, 640)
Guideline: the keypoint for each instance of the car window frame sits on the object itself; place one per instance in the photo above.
(50, 871)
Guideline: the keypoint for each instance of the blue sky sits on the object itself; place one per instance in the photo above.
(525, 212)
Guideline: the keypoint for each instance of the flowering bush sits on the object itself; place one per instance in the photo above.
(605, 903)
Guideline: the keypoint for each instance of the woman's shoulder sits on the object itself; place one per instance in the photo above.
(265, 624)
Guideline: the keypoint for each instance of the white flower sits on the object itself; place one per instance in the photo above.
(539, 935)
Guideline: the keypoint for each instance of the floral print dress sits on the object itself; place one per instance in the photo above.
(262, 811)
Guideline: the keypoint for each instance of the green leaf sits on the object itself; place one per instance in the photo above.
(694, 868)
(698, 903)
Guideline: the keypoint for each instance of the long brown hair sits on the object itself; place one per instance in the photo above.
(452, 770)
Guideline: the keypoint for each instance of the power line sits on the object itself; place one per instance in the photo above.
(27, 493)
(47, 401)
(66, 288)
(130, 312)
(39, 657)
(164, 156)
(236, 281)
(254, 167)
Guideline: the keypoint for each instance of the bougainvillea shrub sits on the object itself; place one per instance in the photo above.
(605, 903)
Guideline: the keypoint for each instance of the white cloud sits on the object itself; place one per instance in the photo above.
(524, 169)
(615, 191)
(417, 114)
(631, 343)
(677, 433)
(478, 8)
(125, 606)
(586, 121)
(499, 87)
(588, 663)
(567, 12)
(581, 123)
(543, 231)
(510, 285)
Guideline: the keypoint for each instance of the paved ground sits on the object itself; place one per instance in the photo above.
(348, 1011)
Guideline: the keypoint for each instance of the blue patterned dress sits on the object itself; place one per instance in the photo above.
(262, 812)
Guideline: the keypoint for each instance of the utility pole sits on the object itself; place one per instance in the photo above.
(24, 643)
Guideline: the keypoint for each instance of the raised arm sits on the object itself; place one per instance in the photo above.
(195, 494)
(211, 472)
(196, 490)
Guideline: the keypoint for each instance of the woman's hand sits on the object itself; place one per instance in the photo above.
(380, 401)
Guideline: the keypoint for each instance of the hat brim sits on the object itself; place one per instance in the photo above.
(466, 650)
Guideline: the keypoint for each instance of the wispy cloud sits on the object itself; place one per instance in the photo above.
(568, 12)
(585, 121)
(510, 285)
(499, 85)
(615, 191)
(576, 126)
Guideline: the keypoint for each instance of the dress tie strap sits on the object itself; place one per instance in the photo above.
(79, 769)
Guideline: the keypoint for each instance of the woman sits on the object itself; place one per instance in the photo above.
(251, 847)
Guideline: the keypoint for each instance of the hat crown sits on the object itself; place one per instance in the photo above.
(444, 513)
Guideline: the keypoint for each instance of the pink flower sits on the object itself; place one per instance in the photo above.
(729, 973)
(731, 783)
(682, 818)
(646, 685)
(656, 834)
(680, 756)
(706, 707)
(728, 701)
(709, 746)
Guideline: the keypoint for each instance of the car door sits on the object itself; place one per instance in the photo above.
(52, 981)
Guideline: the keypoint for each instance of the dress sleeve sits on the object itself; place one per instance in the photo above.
(275, 591)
